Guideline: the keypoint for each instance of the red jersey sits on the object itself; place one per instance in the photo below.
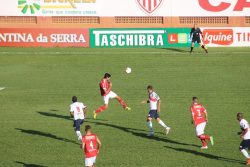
(198, 112)
(104, 86)
(90, 145)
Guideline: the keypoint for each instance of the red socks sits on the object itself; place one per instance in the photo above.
(100, 109)
(122, 102)
(203, 139)
(204, 143)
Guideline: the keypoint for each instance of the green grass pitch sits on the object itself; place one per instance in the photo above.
(36, 129)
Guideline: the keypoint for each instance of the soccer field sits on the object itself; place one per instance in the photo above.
(37, 84)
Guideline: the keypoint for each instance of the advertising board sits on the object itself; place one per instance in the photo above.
(35, 37)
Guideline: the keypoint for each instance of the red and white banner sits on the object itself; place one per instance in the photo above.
(227, 36)
(35, 37)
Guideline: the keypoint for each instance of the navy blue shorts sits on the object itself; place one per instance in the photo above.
(196, 39)
(153, 114)
(77, 124)
(245, 144)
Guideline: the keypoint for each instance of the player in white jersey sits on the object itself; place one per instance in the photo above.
(77, 111)
(154, 106)
(245, 135)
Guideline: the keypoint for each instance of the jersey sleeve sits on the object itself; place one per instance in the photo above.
(157, 97)
(102, 85)
(243, 125)
(71, 109)
(83, 106)
(200, 31)
(192, 30)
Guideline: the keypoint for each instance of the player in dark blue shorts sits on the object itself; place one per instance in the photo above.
(154, 105)
(195, 36)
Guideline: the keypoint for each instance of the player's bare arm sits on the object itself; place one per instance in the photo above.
(83, 148)
(192, 119)
(99, 143)
(206, 115)
(71, 114)
(85, 110)
(243, 133)
(145, 101)
(159, 105)
(192, 115)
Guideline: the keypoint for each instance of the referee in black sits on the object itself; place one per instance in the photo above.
(195, 36)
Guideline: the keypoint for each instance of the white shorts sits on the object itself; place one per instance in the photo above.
(110, 95)
(90, 161)
(200, 128)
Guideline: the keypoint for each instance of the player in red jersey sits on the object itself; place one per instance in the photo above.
(107, 93)
(200, 118)
(90, 146)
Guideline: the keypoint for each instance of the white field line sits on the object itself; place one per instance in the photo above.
(115, 52)
(2, 88)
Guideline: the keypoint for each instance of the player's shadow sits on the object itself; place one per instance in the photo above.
(29, 165)
(206, 155)
(142, 133)
(176, 50)
(50, 114)
(44, 134)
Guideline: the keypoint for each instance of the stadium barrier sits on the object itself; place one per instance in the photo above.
(122, 37)
(37, 37)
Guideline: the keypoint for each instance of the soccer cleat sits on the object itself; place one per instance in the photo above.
(128, 108)
(212, 140)
(168, 130)
(151, 134)
(248, 162)
(79, 138)
(204, 147)
(206, 51)
(94, 115)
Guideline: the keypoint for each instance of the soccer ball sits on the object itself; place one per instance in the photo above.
(128, 70)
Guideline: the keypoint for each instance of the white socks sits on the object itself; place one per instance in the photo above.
(79, 135)
(245, 153)
(150, 126)
(162, 124)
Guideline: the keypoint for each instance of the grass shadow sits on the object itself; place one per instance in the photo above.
(44, 134)
(50, 114)
(142, 134)
(176, 50)
(29, 165)
(209, 156)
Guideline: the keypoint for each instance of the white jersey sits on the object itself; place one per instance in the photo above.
(153, 100)
(244, 125)
(77, 109)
